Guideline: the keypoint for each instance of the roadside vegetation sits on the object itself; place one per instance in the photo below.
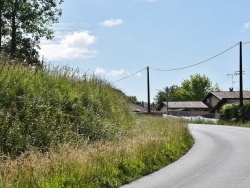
(234, 114)
(60, 129)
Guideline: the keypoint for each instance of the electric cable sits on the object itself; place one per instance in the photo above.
(224, 81)
(246, 43)
(175, 69)
(129, 75)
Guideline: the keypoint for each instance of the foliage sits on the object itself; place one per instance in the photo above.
(196, 87)
(23, 23)
(193, 89)
(132, 99)
(153, 143)
(234, 112)
(160, 97)
(44, 108)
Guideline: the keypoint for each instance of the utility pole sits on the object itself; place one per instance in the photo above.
(241, 77)
(148, 90)
(167, 91)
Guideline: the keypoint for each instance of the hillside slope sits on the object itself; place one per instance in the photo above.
(50, 106)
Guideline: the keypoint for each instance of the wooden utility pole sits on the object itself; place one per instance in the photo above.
(148, 90)
(241, 77)
(167, 91)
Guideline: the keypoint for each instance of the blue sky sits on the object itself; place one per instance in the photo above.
(116, 38)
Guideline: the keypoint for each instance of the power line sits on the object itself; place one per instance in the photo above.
(197, 63)
(246, 43)
(175, 69)
(233, 75)
(224, 81)
(129, 75)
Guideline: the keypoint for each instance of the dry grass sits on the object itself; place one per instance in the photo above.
(61, 130)
(155, 142)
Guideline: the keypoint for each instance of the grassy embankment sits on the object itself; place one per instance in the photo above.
(59, 130)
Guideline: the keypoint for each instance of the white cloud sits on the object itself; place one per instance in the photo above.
(99, 70)
(112, 22)
(246, 26)
(153, 1)
(112, 73)
(115, 73)
(73, 45)
(71, 26)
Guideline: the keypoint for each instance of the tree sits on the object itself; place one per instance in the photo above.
(160, 97)
(3, 21)
(27, 22)
(132, 99)
(193, 89)
(197, 87)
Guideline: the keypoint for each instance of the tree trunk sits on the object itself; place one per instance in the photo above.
(14, 28)
(1, 23)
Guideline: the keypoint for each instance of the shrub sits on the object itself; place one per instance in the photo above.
(235, 112)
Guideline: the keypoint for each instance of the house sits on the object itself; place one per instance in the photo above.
(142, 108)
(138, 108)
(215, 100)
(186, 108)
(209, 106)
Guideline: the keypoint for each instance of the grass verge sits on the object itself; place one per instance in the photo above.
(60, 129)
(233, 123)
(153, 143)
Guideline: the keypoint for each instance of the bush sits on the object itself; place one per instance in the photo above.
(234, 112)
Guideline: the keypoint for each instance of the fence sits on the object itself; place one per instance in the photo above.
(193, 118)
(191, 113)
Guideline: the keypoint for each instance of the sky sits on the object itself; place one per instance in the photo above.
(118, 39)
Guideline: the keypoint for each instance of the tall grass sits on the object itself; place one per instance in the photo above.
(154, 142)
(59, 129)
(51, 106)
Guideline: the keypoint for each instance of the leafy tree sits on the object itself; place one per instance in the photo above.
(177, 93)
(27, 21)
(132, 99)
(196, 87)
(3, 21)
(193, 89)
(160, 97)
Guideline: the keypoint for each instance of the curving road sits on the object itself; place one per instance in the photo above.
(219, 158)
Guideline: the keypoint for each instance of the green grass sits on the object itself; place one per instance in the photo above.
(233, 123)
(48, 107)
(61, 130)
(154, 142)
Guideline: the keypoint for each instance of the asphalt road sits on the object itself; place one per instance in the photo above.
(219, 158)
